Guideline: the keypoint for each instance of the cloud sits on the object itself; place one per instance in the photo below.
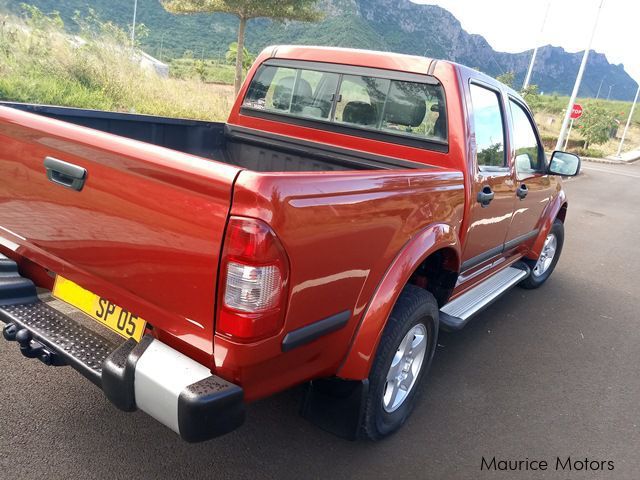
(514, 25)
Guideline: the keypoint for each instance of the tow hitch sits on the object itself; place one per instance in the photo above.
(29, 347)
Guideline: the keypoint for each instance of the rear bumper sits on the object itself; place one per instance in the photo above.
(151, 376)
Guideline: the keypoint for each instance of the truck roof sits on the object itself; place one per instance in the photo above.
(353, 56)
(372, 58)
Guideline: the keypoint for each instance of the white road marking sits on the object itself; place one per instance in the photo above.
(612, 172)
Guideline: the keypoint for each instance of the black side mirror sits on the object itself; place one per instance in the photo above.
(564, 163)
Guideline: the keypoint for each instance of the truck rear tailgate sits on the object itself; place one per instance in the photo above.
(145, 230)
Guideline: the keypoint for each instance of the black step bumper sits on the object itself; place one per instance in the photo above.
(149, 375)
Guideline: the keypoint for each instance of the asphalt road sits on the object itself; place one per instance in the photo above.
(540, 374)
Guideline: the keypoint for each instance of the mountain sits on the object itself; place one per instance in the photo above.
(389, 25)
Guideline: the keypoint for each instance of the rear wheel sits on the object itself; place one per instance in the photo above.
(402, 360)
(542, 268)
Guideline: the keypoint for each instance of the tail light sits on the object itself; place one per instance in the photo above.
(255, 274)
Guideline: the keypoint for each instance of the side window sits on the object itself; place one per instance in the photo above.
(361, 100)
(528, 157)
(487, 124)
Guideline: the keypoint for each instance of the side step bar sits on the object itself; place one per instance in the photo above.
(455, 314)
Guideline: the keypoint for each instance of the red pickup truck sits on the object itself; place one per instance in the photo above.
(353, 204)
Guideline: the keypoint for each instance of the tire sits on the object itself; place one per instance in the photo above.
(534, 280)
(415, 311)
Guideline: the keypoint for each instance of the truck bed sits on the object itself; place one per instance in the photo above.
(217, 141)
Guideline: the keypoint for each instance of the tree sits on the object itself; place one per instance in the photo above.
(532, 97)
(595, 125)
(507, 78)
(302, 10)
(231, 55)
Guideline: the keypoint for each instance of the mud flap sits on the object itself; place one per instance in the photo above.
(335, 405)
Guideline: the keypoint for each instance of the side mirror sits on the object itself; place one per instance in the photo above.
(564, 163)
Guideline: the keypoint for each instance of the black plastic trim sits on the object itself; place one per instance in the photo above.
(484, 256)
(118, 373)
(520, 239)
(14, 289)
(478, 259)
(311, 332)
(210, 408)
(336, 405)
(451, 323)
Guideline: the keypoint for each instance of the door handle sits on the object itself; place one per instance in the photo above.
(522, 191)
(65, 173)
(485, 196)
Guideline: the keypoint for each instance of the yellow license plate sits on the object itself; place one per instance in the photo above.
(105, 312)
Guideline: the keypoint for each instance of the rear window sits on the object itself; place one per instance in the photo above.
(379, 104)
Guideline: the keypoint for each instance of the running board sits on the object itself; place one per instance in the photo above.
(455, 314)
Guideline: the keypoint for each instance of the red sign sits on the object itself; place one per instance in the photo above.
(576, 111)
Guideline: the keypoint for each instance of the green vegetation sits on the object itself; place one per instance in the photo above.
(209, 71)
(232, 56)
(39, 63)
(406, 28)
(245, 10)
(507, 78)
(597, 126)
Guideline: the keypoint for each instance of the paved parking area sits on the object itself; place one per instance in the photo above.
(540, 374)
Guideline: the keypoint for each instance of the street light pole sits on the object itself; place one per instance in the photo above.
(626, 127)
(576, 86)
(527, 78)
(133, 28)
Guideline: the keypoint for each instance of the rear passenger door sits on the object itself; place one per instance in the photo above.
(492, 183)
(533, 186)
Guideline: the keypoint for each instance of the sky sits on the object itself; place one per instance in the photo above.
(514, 25)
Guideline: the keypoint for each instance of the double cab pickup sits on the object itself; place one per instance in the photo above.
(353, 204)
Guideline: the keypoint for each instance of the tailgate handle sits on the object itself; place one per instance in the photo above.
(65, 173)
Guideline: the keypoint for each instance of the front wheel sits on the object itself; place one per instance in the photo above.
(542, 268)
(403, 357)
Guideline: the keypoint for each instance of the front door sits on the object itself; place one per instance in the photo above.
(533, 186)
(493, 186)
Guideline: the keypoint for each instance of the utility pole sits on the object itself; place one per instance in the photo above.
(609, 94)
(576, 86)
(527, 79)
(601, 82)
(626, 127)
(133, 27)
